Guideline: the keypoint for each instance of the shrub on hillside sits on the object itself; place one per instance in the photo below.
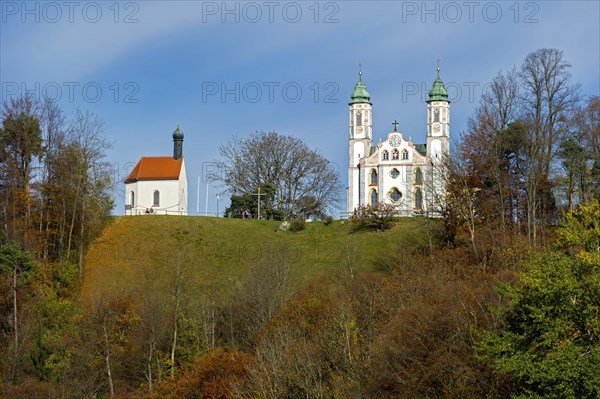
(211, 376)
(374, 218)
(297, 225)
(328, 220)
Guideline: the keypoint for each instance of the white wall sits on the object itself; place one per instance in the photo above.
(183, 190)
(173, 195)
(144, 196)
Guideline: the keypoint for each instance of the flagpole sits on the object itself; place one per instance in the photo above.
(198, 198)
(206, 210)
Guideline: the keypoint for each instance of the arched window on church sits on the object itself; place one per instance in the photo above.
(395, 154)
(385, 155)
(358, 118)
(374, 198)
(404, 155)
(418, 199)
(132, 198)
(373, 176)
(436, 115)
(156, 198)
(418, 176)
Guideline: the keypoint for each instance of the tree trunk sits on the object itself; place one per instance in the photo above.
(28, 210)
(71, 230)
(176, 320)
(15, 316)
(81, 243)
(571, 190)
(174, 346)
(62, 228)
(107, 360)
(149, 377)
(5, 217)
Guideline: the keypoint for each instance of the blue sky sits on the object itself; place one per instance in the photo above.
(225, 69)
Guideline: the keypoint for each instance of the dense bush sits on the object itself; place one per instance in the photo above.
(374, 218)
(297, 225)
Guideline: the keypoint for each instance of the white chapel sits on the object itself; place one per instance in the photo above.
(158, 185)
(396, 170)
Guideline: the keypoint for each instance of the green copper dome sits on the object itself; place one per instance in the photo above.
(177, 134)
(360, 94)
(438, 92)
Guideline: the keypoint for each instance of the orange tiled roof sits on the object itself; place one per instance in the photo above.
(155, 168)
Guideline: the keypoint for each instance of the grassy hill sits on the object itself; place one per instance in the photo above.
(140, 253)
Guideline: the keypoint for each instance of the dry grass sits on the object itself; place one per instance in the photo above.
(136, 254)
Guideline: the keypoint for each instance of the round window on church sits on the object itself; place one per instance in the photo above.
(395, 173)
(395, 195)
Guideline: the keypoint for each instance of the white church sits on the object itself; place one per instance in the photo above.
(396, 170)
(158, 185)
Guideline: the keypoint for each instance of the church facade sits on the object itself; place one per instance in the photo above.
(158, 185)
(397, 171)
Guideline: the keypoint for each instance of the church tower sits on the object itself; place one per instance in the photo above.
(360, 141)
(438, 121)
(177, 143)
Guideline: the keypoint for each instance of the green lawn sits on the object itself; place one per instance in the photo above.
(139, 253)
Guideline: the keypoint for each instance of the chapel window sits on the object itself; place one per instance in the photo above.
(156, 198)
(418, 176)
(358, 119)
(374, 198)
(385, 156)
(405, 155)
(436, 115)
(395, 154)
(418, 199)
(373, 176)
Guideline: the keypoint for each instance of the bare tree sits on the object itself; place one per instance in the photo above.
(488, 148)
(50, 220)
(177, 291)
(453, 196)
(462, 201)
(304, 182)
(586, 132)
(91, 177)
(511, 147)
(547, 96)
(153, 328)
